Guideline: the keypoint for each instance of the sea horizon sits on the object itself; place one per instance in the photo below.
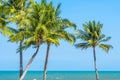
(69, 70)
(61, 75)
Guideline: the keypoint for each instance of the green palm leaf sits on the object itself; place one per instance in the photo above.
(105, 40)
(83, 45)
(105, 47)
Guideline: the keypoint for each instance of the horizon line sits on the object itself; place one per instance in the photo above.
(66, 70)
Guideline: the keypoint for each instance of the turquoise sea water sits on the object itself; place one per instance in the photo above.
(61, 75)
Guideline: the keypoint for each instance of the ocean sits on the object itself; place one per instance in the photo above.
(61, 75)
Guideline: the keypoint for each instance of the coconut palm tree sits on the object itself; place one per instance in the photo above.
(38, 31)
(56, 33)
(19, 12)
(93, 37)
(51, 38)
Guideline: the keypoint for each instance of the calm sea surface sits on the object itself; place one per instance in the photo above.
(61, 75)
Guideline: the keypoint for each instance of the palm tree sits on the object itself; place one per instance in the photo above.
(19, 12)
(38, 30)
(51, 38)
(92, 37)
(56, 33)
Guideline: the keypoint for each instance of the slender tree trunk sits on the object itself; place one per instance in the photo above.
(30, 61)
(46, 61)
(96, 71)
(21, 59)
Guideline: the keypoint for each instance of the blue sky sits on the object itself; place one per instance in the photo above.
(66, 56)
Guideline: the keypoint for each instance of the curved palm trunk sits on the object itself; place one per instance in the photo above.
(30, 61)
(46, 61)
(21, 59)
(96, 71)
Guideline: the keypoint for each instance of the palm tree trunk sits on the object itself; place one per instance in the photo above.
(46, 61)
(30, 61)
(97, 76)
(21, 60)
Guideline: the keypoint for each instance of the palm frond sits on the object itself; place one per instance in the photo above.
(105, 47)
(102, 36)
(13, 30)
(41, 30)
(5, 31)
(62, 34)
(57, 11)
(66, 23)
(82, 45)
(30, 41)
(84, 36)
(105, 39)
(53, 41)
(21, 35)
(70, 38)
